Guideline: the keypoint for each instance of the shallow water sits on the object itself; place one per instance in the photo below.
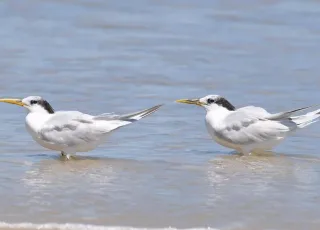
(164, 171)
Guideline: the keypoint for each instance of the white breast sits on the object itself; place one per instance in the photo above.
(224, 143)
(34, 122)
(213, 123)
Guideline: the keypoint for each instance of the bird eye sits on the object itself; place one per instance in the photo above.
(33, 102)
(210, 100)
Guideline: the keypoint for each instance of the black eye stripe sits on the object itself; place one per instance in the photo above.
(46, 106)
(225, 103)
(42, 103)
(210, 100)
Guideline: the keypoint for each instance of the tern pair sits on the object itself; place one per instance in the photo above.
(248, 129)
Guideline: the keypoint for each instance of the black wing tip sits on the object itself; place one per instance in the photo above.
(142, 114)
(158, 106)
(304, 108)
(152, 110)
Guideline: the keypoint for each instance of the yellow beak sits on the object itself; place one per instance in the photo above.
(12, 101)
(190, 101)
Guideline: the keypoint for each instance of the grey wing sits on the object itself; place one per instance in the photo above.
(69, 129)
(245, 127)
(262, 113)
(254, 111)
(287, 114)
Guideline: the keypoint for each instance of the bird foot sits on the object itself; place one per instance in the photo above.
(65, 156)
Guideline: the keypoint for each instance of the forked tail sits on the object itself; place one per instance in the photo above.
(116, 121)
(132, 117)
(306, 119)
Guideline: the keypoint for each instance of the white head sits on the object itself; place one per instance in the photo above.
(34, 104)
(210, 102)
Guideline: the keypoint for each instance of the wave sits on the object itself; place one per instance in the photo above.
(70, 226)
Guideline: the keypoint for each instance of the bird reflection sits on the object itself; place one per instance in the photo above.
(55, 172)
(259, 174)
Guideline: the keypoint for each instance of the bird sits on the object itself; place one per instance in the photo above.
(249, 129)
(70, 132)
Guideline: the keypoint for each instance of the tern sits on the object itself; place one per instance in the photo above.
(71, 131)
(249, 129)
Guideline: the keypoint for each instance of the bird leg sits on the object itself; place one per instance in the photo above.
(65, 155)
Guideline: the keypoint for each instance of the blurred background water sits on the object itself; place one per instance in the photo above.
(121, 56)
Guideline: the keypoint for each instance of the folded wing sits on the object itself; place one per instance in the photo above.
(70, 128)
(250, 125)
